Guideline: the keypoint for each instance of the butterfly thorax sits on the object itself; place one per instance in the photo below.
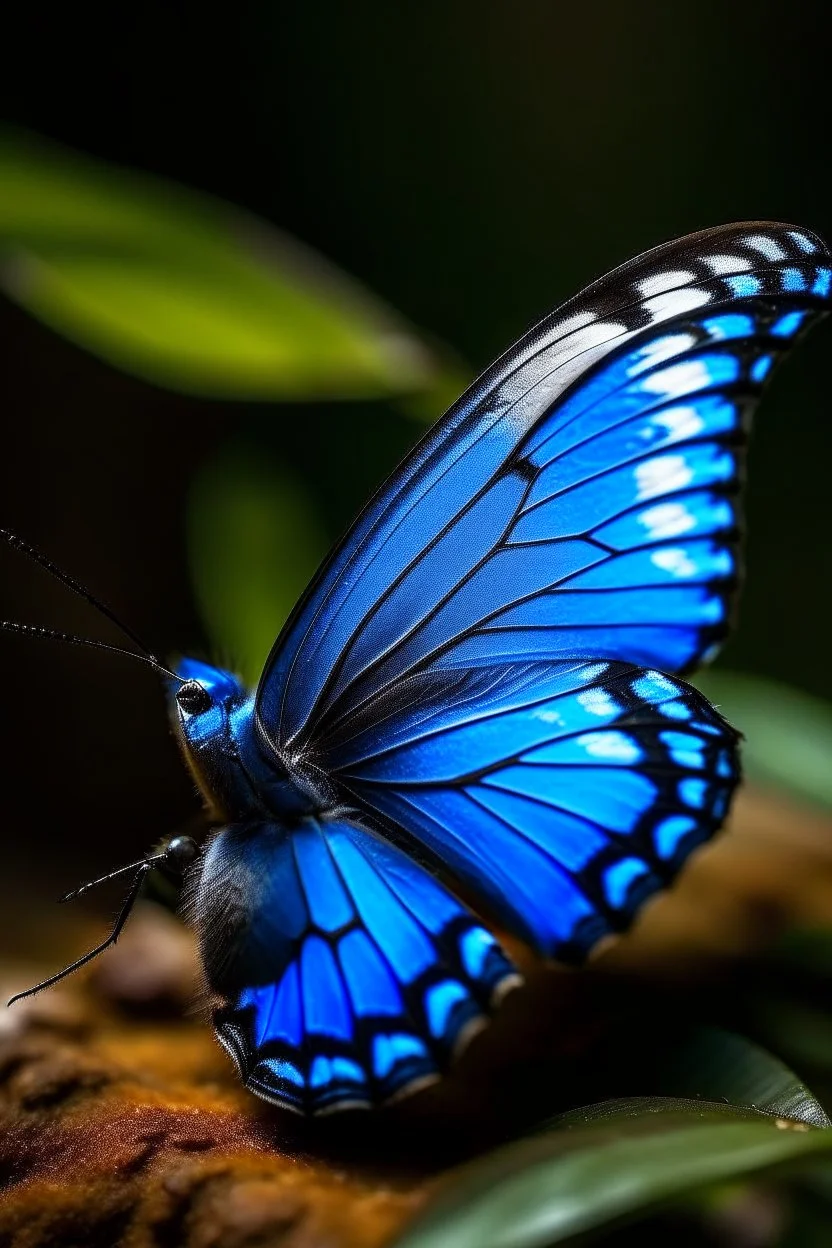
(240, 778)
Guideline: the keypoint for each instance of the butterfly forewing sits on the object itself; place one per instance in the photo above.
(578, 501)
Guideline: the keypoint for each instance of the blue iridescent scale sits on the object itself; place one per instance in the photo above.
(481, 692)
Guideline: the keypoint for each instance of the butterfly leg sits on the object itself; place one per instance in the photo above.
(124, 913)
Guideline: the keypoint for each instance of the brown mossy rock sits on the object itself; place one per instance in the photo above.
(123, 1124)
(127, 1132)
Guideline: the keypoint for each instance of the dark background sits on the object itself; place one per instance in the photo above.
(475, 164)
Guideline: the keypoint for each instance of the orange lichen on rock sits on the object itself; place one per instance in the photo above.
(104, 1151)
(118, 1130)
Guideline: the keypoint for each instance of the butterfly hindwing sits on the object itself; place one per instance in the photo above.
(579, 501)
(347, 975)
(562, 794)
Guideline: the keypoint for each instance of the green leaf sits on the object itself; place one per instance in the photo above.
(186, 291)
(726, 1111)
(716, 1067)
(722, 1066)
(641, 1107)
(621, 1161)
(788, 733)
(254, 541)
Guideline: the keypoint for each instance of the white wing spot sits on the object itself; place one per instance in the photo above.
(660, 282)
(616, 746)
(549, 717)
(803, 241)
(595, 333)
(662, 476)
(660, 681)
(598, 702)
(660, 350)
(766, 246)
(677, 422)
(667, 520)
(677, 302)
(593, 670)
(676, 561)
(679, 379)
(576, 322)
(722, 265)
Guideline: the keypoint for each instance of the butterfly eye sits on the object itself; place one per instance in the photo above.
(179, 854)
(193, 698)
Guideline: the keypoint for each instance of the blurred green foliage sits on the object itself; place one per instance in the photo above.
(788, 734)
(254, 540)
(186, 291)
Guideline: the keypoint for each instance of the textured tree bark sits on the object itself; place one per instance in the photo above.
(122, 1122)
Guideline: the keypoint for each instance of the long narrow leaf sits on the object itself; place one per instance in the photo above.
(187, 291)
(555, 1188)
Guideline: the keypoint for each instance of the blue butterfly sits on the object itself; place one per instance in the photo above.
(480, 692)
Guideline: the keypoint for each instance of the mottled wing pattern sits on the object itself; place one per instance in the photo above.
(579, 501)
(563, 795)
(354, 977)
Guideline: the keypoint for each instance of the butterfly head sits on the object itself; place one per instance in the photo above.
(204, 690)
(209, 706)
(214, 716)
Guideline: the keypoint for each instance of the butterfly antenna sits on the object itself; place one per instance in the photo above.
(26, 548)
(30, 630)
(111, 875)
(54, 634)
